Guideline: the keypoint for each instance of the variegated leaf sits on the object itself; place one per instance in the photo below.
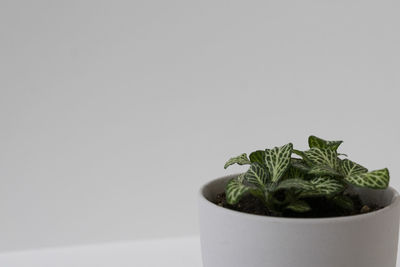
(299, 206)
(323, 156)
(258, 156)
(278, 160)
(235, 190)
(314, 141)
(295, 184)
(322, 170)
(378, 179)
(350, 168)
(300, 165)
(240, 177)
(293, 172)
(323, 186)
(324, 161)
(241, 160)
(257, 175)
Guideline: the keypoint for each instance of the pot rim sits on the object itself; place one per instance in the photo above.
(393, 205)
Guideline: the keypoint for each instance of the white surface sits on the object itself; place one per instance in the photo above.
(183, 252)
(113, 113)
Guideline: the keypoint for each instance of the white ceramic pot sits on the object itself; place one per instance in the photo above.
(235, 239)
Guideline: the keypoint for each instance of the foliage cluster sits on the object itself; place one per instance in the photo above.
(285, 182)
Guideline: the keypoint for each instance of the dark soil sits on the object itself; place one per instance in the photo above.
(320, 207)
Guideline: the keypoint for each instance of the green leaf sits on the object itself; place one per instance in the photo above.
(296, 184)
(235, 190)
(257, 175)
(299, 206)
(298, 152)
(322, 156)
(323, 161)
(359, 176)
(300, 165)
(293, 172)
(258, 156)
(350, 168)
(343, 202)
(278, 160)
(322, 170)
(258, 193)
(241, 160)
(323, 186)
(378, 179)
(314, 141)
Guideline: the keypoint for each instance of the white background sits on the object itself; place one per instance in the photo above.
(113, 113)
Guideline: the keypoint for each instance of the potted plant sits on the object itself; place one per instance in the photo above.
(292, 208)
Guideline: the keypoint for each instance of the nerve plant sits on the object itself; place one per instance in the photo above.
(284, 182)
